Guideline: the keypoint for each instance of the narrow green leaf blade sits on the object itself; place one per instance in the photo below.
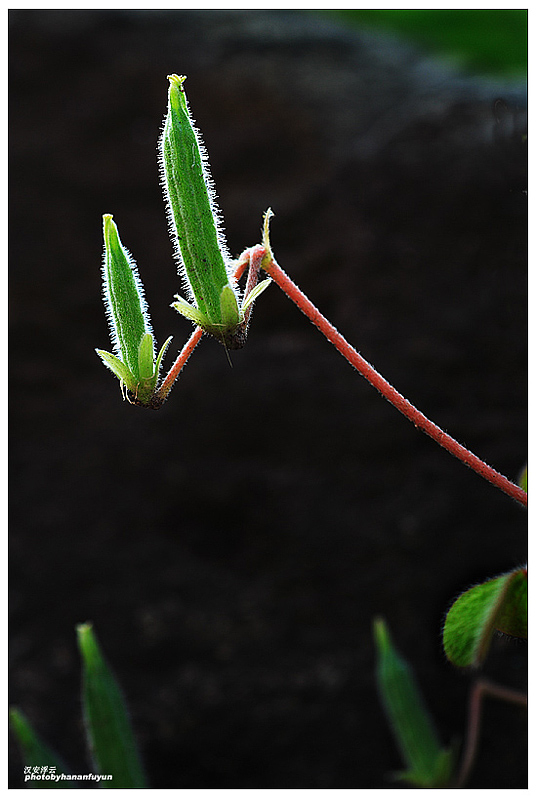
(112, 743)
(428, 765)
(35, 753)
(473, 617)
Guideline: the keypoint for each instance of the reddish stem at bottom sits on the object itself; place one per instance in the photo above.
(386, 390)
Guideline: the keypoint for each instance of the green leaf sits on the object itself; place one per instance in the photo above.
(35, 753)
(512, 617)
(428, 765)
(112, 743)
(499, 603)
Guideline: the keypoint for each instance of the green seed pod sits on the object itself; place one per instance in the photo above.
(200, 248)
(133, 360)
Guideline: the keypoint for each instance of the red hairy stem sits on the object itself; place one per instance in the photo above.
(381, 385)
(180, 362)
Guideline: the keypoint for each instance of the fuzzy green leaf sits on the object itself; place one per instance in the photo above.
(499, 603)
(113, 748)
(35, 753)
(513, 615)
(428, 765)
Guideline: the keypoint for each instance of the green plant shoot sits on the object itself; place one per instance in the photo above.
(36, 753)
(195, 228)
(428, 765)
(108, 729)
(133, 361)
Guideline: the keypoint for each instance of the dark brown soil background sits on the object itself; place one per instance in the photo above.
(233, 548)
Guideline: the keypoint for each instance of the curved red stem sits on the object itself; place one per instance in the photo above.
(386, 390)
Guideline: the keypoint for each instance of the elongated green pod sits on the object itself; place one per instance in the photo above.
(133, 360)
(428, 765)
(124, 297)
(37, 754)
(195, 226)
(113, 747)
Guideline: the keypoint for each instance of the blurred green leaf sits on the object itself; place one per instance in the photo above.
(35, 753)
(499, 603)
(482, 40)
(523, 479)
(113, 747)
(428, 765)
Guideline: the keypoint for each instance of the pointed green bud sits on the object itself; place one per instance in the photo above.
(195, 227)
(133, 360)
(124, 298)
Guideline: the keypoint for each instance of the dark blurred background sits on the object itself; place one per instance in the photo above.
(233, 548)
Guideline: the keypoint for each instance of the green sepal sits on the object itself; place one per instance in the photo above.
(119, 369)
(160, 356)
(36, 753)
(428, 764)
(191, 312)
(146, 367)
(254, 294)
(109, 733)
(496, 604)
(229, 308)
